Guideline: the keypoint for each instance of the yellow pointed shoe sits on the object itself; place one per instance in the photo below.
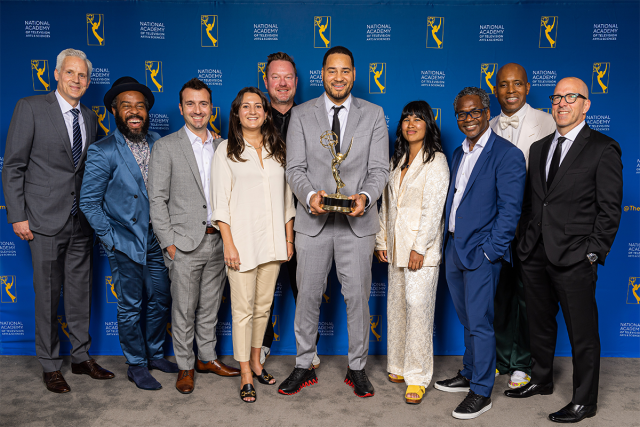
(396, 378)
(417, 389)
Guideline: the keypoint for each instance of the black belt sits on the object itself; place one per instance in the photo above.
(451, 234)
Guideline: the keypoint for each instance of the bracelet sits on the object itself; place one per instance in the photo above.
(289, 241)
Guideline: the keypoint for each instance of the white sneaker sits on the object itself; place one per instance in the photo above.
(316, 360)
(519, 379)
(264, 354)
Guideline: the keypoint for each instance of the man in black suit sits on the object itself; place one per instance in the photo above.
(570, 216)
(41, 178)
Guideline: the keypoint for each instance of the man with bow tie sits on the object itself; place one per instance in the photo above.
(521, 125)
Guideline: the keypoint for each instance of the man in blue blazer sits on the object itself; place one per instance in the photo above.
(114, 200)
(481, 214)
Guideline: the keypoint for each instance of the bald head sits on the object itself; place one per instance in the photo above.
(512, 88)
(569, 115)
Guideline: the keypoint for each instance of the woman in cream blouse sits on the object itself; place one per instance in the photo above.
(410, 240)
(253, 208)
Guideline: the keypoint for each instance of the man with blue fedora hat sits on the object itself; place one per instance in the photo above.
(115, 201)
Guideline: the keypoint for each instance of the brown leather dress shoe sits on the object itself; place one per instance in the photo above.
(217, 367)
(90, 367)
(185, 383)
(55, 382)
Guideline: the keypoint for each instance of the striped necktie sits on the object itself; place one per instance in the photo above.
(76, 151)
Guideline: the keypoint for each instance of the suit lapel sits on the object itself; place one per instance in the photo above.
(416, 166)
(131, 163)
(187, 150)
(455, 165)
(321, 115)
(529, 131)
(352, 123)
(538, 185)
(543, 162)
(486, 152)
(572, 155)
(55, 113)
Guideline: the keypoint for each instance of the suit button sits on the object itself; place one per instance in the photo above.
(73, 193)
(135, 196)
(545, 203)
(539, 224)
(204, 206)
(134, 220)
(204, 222)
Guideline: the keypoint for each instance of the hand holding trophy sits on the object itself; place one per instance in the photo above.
(336, 202)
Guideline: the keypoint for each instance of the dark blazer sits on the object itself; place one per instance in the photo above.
(581, 211)
(489, 210)
(38, 177)
(114, 197)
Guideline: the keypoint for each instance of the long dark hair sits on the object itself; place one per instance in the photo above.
(271, 140)
(431, 144)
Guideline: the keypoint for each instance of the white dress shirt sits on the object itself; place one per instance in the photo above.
(68, 118)
(343, 115)
(204, 156)
(566, 145)
(512, 134)
(468, 162)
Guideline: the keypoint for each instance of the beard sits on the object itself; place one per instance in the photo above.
(336, 95)
(136, 136)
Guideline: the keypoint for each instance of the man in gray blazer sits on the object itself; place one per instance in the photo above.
(179, 182)
(521, 125)
(41, 179)
(322, 237)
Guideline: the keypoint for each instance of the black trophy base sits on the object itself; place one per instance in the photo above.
(341, 204)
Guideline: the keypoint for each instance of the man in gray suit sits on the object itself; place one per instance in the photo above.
(322, 236)
(179, 182)
(41, 178)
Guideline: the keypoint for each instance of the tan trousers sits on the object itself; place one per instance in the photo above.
(251, 296)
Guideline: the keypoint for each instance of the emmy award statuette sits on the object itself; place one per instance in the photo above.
(336, 202)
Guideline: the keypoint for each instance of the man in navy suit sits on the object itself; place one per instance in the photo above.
(482, 211)
(115, 201)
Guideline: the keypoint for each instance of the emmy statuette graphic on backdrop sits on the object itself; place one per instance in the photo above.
(336, 202)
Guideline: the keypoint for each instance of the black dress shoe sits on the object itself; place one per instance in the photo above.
(298, 379)
(362, 387)
(530, 390)
(55, 382)
(453, 385)
(472, 406)
(573, 413)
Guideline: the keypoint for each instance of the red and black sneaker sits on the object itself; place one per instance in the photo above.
(298, 379)
(362, 387)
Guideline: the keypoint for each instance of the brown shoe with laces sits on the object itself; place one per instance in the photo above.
(55, 382)
(185, 382)
(90, 367)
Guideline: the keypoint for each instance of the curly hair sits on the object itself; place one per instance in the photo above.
(271, 140)
(484, 98)
(431, 143)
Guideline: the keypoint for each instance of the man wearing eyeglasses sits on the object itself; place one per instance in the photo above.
(481, 213)
(570, 217)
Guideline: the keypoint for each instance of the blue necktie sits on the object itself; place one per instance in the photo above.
(76, 151)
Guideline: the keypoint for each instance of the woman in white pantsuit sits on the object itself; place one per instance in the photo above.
(410, 240)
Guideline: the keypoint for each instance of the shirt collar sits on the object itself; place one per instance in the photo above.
(481, 142)
(279, 114)
(193, 138)
(328, 104)
(572, 134)
(521, 113)
(64, 105)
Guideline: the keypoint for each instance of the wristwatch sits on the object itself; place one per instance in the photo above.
(592, 257)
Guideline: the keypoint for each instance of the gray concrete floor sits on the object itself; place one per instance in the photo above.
(24, 401)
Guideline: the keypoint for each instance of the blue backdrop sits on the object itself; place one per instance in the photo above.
(402, 53)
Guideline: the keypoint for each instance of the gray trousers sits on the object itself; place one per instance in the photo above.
(63, 258)
(197, 282)
(353, 256)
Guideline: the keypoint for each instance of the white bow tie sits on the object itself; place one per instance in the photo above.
(506, 121)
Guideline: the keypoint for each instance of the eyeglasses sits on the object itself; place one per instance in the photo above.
(475, 114)
(569, 98)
